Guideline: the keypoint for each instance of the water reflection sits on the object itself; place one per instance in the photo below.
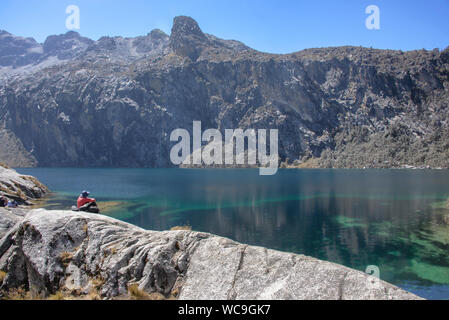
(357, 218)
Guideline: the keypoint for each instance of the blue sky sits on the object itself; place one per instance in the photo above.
(278, 26)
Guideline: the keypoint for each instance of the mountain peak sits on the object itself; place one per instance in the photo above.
(71, 35)
(67, 45)
(158, 34)
(186, 37)
(186, 26)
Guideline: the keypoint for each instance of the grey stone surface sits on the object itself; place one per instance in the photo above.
(9, 218)
(21, 188)
(51, 250)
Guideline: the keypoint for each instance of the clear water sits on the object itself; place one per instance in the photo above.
(394, 219)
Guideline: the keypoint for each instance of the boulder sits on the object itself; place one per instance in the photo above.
(50, 251)
(9, 218)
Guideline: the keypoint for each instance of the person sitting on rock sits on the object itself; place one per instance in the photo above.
(3, 201)
(12, 204)
(85, 203)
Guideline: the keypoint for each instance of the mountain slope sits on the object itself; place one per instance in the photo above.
(114, 102)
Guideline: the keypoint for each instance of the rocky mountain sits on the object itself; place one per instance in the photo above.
(114, 102)
(94, 256)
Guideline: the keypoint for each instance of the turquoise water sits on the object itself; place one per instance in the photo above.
(394, 219)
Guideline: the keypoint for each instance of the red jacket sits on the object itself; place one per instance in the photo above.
(82, 201)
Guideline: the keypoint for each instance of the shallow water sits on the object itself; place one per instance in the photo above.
(393, 219)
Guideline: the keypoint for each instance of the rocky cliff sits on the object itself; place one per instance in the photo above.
(22, 188)
(114, 102)
(53, 251)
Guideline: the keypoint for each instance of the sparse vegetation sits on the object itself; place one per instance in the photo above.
(177, 228)
(284, 164)
(21, 188)
(22, 294)
(93, 294)
(36, 182)
(138, 294)
(175, 293)
(17, 294)
(97, 282)
(308, 164)
(4, 165)
(62, 294)
(159, 296)
(20, 194)
(134, 293)
(110, 251)
(66, 258)
(57, 296)
(2, 276)
(4, 189)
